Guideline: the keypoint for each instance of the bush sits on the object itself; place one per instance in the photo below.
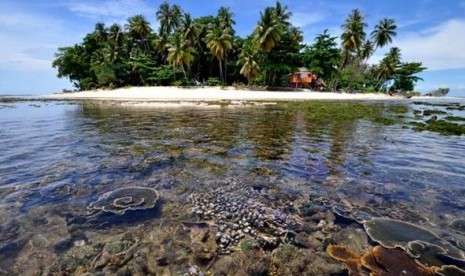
(214, 82)
(165, 75)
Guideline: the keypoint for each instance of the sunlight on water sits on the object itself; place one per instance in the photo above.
(228, 187)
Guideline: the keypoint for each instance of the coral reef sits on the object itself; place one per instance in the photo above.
(121, 200)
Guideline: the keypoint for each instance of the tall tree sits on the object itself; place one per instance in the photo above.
(225, 17)
(383, 33)
(282, 14)
(139, 28)
(160, 43)
(269, 30)
(323, 56)
(248, 62)
(117, 40)
(226, 22)
(101, 32)
(405, 76)
(367, 50)
(219, 42)
(180, 53)
(189, 30)
(387, 67)
(353, 34)
(169, 18)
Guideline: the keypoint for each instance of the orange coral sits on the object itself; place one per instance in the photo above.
(349, 258)
(381, 261)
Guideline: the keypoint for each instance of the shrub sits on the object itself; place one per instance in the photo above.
(214, 82)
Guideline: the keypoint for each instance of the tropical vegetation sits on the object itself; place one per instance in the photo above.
(207, 50)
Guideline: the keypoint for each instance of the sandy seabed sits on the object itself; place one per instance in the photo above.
(200, 96)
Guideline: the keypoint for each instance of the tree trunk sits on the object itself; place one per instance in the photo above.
(225, 69)
(221, 70)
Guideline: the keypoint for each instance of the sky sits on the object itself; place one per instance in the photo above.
(31, 31)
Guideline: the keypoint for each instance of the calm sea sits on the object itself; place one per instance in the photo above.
(306, 163)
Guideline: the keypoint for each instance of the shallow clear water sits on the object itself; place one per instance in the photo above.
(58, 158)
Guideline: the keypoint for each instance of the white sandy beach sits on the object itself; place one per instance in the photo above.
(208, 94)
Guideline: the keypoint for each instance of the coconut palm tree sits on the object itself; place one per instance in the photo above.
(161, 45)
(116, 38)
(282, 14)
(388, 66)
(367, 50)
(139, 29)
(169, 17)
(180, 52)
(226, 22)
(219, 42)
(269, 30)
(189, 29)
(225, 17)
(353, 34)
(248, 60)
(101, 32)
(384, 32)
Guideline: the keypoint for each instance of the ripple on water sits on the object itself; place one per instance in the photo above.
(323, 168)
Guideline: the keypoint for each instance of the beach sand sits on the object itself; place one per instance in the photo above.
(176, 96)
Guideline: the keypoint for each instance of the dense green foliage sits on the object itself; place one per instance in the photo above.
(186, 51)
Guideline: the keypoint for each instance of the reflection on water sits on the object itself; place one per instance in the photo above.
(257, 190)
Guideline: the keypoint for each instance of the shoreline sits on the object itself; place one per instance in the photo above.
(210, 94)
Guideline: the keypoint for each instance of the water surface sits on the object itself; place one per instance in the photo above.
(306, 164)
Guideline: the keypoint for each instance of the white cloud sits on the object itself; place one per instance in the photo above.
(29, 39)
(24, 61)
(441, 47)
(301, 19)
(110, 9)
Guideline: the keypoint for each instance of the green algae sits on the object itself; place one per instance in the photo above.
(430, 112)
(454, 118)
(439, 126)
(399, 109)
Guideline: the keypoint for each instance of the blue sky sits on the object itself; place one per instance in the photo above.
(430, 31)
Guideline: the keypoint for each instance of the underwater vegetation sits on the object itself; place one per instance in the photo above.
(440, 126)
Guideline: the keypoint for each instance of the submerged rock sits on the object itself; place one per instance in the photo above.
(459, 225)
(121, 200)
(237, 212)
(392, 233)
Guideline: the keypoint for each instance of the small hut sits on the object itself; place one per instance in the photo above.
(303, 78)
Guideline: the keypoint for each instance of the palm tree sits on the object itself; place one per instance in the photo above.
(139, 28)
(116, 37)
(189, 30)
(101, 32)
(225, 17)
(161, 45)
(248, 59)
(367, 50)
(269, 30)
(281, 13)
(169, 17)
(176, 15)
(353, 34)
(394, 55)
(180, 53)
(387, 66)
(226, 22)
(219, 42)
(384, 32)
